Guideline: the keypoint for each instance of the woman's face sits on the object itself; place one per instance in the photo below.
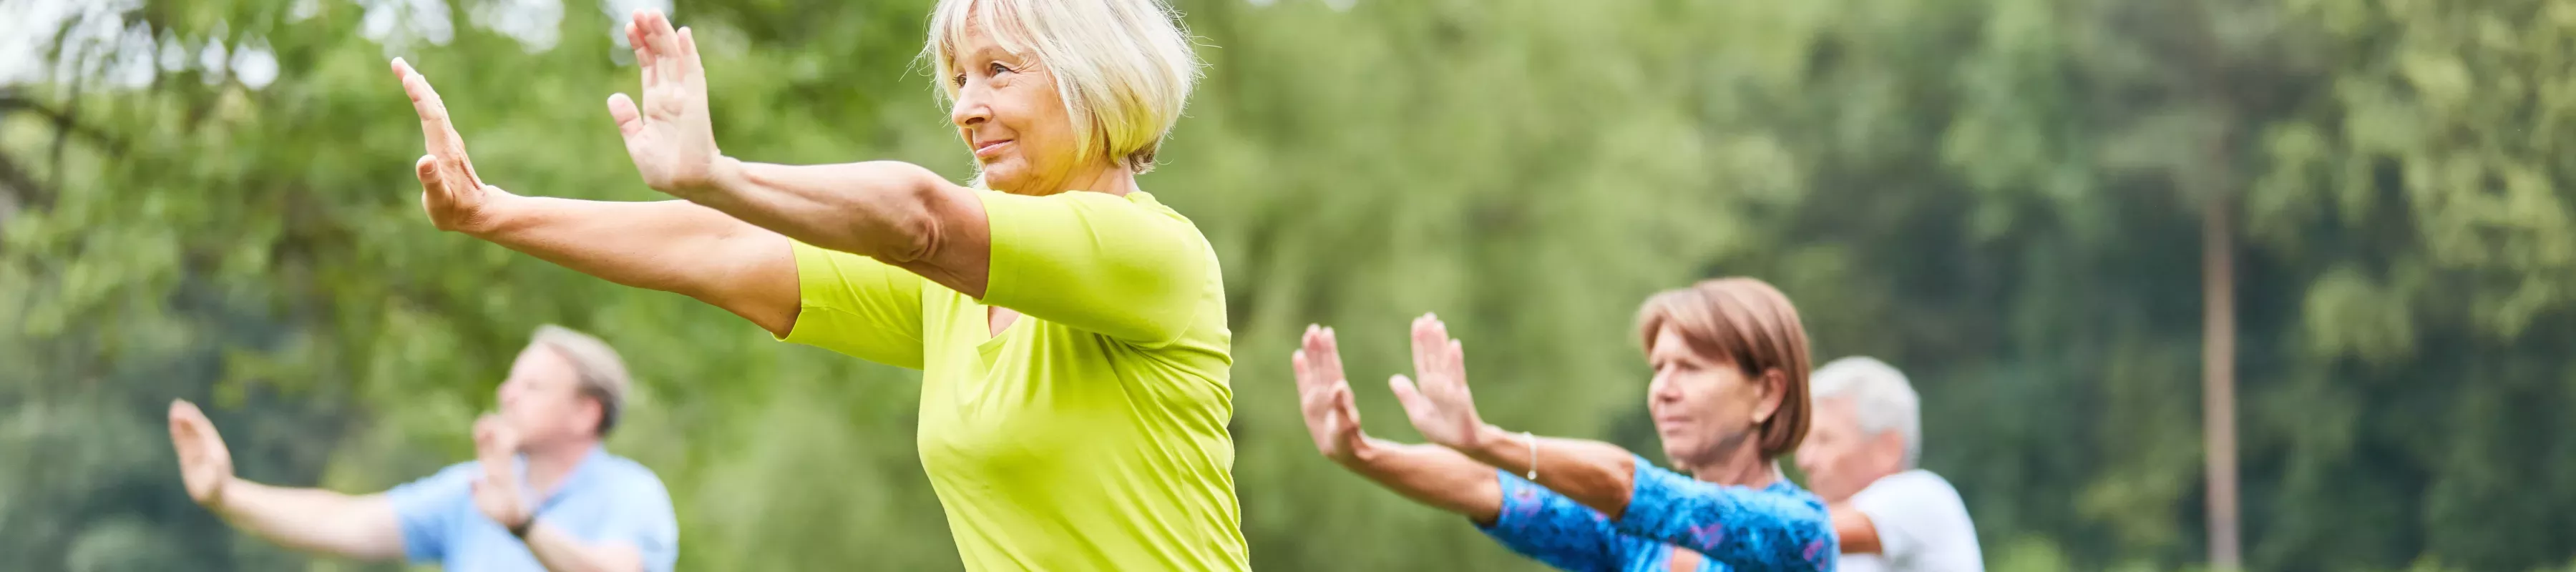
(1705, 407)
(1010, 116)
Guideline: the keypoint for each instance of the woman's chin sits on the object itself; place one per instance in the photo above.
(1680, 453)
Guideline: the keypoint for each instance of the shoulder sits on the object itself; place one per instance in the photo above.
(1911, 496)
(1911, 484)
(629, 477)
(460, 474)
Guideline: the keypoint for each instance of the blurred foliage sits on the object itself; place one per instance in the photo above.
(210, 200)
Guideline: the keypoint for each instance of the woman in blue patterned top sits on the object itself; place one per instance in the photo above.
(1728, 398)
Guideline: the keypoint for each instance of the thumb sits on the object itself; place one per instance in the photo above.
(629, 120)
(1410, 396)
(427, 169)
(1349, 409)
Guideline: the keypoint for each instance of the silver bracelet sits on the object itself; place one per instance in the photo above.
(1533, 441)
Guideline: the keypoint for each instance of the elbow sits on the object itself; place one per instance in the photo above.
(918, 223)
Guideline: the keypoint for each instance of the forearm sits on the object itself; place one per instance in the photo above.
(888, 210)
(313, 520)
(1599, 475)
(560, 552)
(672, 246)
(1431, 475)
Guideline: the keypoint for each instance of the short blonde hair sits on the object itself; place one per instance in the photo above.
(1123, 68)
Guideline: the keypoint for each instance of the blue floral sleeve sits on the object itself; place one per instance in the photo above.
(1548, 527)
(1739, 527)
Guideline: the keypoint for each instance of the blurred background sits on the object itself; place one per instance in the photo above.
(2040, 209)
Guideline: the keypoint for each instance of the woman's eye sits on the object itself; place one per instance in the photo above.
(997, 68)
(960, 80)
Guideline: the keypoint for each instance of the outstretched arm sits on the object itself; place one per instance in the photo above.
(1594, 473)
(310, 520)
(895, 212)
(1428, 474)
(1740, 527)
(672, 246)
(1529, 519)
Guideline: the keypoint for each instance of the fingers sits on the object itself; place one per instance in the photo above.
(1454, 361)
(183, 428)
(1310, 397)
(1435, 341)
(1328, 355)
(182, 411)
(696, 68)
(635, 40)
(437, 130)
(1427, 346)
(186, 421)
(630, 121)
(1407, 394)
(1297, 363)
(645, 58)
(434, 125)
(657, 32)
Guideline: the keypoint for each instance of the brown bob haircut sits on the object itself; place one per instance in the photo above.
(1746, 322)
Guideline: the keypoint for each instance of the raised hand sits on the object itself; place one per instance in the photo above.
(498, 493)
(1324, 397)
(1439, 405)
(669, 137)
(205, 465)
(451, 192)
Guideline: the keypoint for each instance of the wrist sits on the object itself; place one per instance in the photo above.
(1362, 455)
(526, 524)
(723, 172)
(492, 216)
(214, 502)
(1487, 442)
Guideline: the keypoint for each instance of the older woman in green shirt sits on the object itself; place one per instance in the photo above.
(1070, 328)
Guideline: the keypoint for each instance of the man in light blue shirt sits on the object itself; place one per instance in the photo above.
(541, 495)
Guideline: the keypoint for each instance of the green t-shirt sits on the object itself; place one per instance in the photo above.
(1089, 435)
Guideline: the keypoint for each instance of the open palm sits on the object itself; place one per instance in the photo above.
(669, 136)
(1324, 397)
(1439, 404)
(205, 465)
(451, 192)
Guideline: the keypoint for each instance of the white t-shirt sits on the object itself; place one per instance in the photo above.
(1922, 526)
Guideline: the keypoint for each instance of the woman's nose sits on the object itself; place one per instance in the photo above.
(970, 109)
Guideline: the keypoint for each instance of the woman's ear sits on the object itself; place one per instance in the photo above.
(1767, 394)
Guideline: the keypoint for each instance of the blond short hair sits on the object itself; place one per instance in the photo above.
(1123, 68)
(601, 373)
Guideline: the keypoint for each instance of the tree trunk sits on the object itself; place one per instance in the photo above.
(2218, 378)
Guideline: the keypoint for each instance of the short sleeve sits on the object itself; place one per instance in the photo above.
(1123, 267)
(1897, 520)
(426, 508)
(644, 520)
(858, 306)
(1743, 528)
(1550, 528)
(1919, 518)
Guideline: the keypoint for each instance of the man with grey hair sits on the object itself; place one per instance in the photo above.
(1860, 456)
(540, 495)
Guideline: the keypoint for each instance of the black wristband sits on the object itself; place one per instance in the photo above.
(521, 530)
